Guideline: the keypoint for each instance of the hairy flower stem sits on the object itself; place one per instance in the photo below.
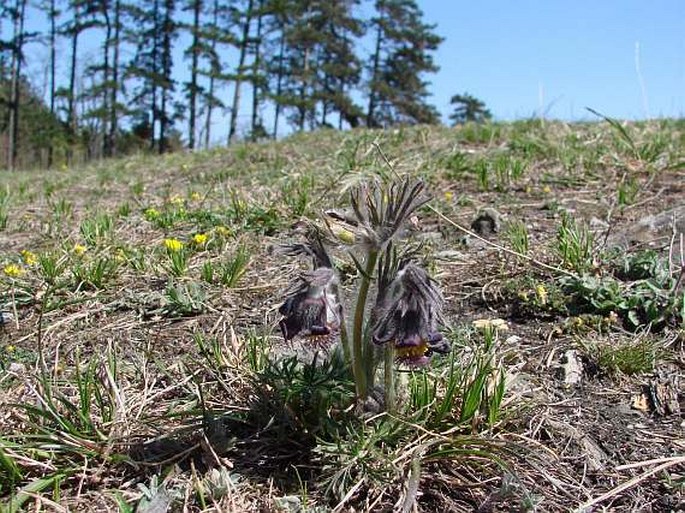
(389, 376)
(358, 359)
(345, 342)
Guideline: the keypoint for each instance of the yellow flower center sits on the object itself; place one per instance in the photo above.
(412, 352)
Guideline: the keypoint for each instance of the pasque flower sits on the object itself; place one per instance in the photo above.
(311, 310)
(410, 311)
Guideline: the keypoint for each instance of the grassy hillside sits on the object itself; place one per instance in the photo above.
(142, 368)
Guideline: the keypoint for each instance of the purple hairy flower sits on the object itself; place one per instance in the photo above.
(410, 312)
(311, 309)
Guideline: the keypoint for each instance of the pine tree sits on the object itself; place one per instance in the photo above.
(53, 15)
(115, 86)
(468, 108)
(403, 42)
(340, 70)
(213, 36)
(277, 19)
(192, 87)
(258, 78)
(299, 62)
(151, 69)
(18, 14)
(83, 17)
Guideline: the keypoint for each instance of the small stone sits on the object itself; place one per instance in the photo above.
(17, 368)
(513, 339)
(289, 503)
(449, 255)
(572, 368)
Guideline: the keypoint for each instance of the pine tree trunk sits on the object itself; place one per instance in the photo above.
(208, 119)
(106, 149)
(279, 81)
(71, 99)
(370, 121)
(303, 90)
(167, 29)
(53, 73)
(18, 43)
(241, 63)
(155, 72)
(197, 7)
(255, 71)
(114, 89)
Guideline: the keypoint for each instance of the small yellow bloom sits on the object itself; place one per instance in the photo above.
(28, 257)
(541, 293)
(79, 249)
(449, 195)
(199, 239)
(10, 348)
(195, 196)
(120, 255)
(173, 245)
(523, 295)
(13, 270)
(151, 214)
(222, 231)
(546, 189)
(177, 200)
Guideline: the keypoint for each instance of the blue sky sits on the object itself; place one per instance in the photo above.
(522, 57)
(526, 56)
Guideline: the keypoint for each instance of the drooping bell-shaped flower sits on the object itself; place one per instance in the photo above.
(311, 310)
(410, 312)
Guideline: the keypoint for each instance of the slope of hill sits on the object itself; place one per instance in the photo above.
(141, 365)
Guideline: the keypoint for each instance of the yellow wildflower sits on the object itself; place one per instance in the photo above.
(13, 270)
(199, 239)
(79, 249)
(176, 200)
(120, 255)
(449, 195)
(151, 214)
(10, 348)
(195, 196)
(546, 189)
(173, 245)
(222, 231)
(28, 257)
(541, 293)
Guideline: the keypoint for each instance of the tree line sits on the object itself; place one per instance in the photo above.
(309, 64)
